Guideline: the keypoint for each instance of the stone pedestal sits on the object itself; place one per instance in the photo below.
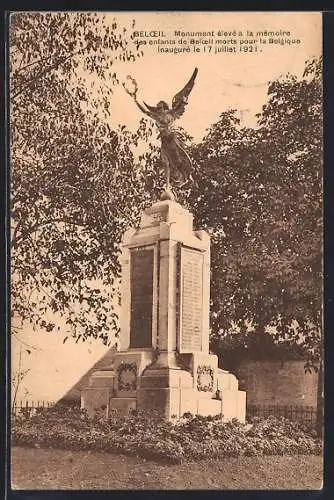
(164, 362)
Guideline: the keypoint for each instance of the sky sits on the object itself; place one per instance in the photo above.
(224, 81)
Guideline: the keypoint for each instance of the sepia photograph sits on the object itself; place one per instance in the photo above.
(166, 250)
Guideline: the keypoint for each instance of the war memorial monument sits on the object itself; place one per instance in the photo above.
(163, 361)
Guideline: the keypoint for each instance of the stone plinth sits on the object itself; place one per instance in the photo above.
(163, 361)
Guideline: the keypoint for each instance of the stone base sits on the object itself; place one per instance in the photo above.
(173, 393)
(233, 405)
(209, 407)
(123, 406)
(102, 378)
(139, 383)
(95, 399)
(96, 396)
(128, 367)
(160, 390)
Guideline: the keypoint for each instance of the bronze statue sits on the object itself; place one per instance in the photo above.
(175, 160)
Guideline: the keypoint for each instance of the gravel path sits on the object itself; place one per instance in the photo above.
(60, 469)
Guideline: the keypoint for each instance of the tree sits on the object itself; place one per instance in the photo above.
(18, 377)
(259, 194)
(75, 183)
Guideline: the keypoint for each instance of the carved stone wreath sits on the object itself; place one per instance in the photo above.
(204, 378)
(127, 377)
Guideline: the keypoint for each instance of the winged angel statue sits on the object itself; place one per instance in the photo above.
(174, 158)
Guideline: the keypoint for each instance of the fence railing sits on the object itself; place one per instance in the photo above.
(304, 414)
(30, 405)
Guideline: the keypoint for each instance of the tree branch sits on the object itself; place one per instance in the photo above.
(32, 229)
(41, 60)
(25, 343)
(46, 70)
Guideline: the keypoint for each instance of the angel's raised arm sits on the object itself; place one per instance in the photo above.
(131, 88)
(144, 110)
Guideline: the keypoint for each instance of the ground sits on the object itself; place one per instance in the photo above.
(60, 469)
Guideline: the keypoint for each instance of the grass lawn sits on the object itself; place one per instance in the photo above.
(62, 469)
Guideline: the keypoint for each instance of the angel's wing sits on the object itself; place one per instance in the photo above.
(180, 99)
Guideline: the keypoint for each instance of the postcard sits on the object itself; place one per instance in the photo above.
(166, 250)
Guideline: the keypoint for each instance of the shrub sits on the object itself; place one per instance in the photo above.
(149, 435)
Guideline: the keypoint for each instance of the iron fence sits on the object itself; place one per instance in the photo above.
(30, 406)
(304, 414)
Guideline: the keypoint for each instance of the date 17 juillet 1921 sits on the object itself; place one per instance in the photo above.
(223, 49)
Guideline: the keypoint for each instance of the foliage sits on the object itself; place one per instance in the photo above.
(149, 435)
(232, 348)
(75, 184)
(259, 194)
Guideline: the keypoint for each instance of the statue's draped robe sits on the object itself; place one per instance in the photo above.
(173, 151)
